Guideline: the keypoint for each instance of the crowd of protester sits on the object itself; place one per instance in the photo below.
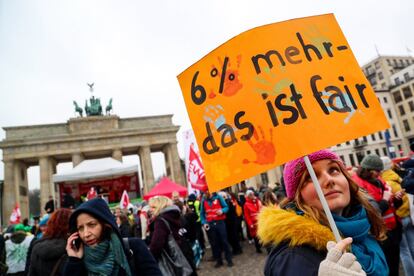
(220, 221)
(95, 240)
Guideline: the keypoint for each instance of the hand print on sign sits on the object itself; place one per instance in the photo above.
(229, 78)
(318, 37)
(264, 149)
(269, 84)
(219, 165)
(340, 103)
(273, 84)
(214, 115)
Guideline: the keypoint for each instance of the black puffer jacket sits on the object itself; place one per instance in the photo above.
(295, 251)
(46, 254)
(298, 260)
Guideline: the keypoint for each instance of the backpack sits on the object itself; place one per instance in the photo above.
(176, 257)
(130, 255)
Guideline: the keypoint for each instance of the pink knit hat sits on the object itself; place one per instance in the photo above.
(294, 170)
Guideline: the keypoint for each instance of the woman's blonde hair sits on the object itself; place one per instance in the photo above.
(159, 203)
(378, 229)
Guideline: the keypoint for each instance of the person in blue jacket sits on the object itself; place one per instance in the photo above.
(96, 246)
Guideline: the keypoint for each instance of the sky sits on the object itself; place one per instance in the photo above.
(134, 50)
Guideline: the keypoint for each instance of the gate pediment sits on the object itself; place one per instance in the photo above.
(93, 124)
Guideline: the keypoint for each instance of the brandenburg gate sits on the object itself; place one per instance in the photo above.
(78, 139)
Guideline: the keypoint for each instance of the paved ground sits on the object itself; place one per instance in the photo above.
(249, 263)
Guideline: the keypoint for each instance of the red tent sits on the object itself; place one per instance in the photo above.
(165, 188)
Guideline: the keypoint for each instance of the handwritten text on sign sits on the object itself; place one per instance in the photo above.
(275, 93)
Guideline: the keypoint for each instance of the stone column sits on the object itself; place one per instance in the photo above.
(258, 180)
(10, 194)
(52, 171)
(22, 188)
(168, 161)
(176, 164)
(146, 168)
(252, 181)
(279, 174)
(47, 168)
(273, 177)
(77, 158)
(117, 154)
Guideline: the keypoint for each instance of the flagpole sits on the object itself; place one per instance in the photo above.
(322, 198)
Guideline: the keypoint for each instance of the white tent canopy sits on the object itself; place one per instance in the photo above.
(96, 169)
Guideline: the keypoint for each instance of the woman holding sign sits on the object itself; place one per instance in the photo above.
(299, 233)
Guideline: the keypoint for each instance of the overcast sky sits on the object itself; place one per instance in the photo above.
(133, 50)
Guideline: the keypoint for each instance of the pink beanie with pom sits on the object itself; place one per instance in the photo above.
(294, 170)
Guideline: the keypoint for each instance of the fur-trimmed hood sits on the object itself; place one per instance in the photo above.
(276, 226)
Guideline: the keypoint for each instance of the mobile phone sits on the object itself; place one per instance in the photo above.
(76, 243)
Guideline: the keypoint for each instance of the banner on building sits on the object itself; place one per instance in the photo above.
(276, 93)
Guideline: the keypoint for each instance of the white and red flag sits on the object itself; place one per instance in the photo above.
(124, 200)
(91, 193)
(194, 167)
(15, 215)
(195, 173)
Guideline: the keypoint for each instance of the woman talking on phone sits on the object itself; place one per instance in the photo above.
(96, 248)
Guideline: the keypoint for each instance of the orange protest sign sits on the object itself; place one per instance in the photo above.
(275, 93)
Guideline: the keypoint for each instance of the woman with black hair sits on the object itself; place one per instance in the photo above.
(96, 246)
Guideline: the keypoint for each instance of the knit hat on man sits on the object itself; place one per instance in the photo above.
(294, 170)
(386, 161)
(372, 162)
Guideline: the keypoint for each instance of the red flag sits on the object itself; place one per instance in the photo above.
(15, 215)
(124, 200)
(195, 174)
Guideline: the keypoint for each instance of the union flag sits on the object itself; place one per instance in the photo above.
(195, 173)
